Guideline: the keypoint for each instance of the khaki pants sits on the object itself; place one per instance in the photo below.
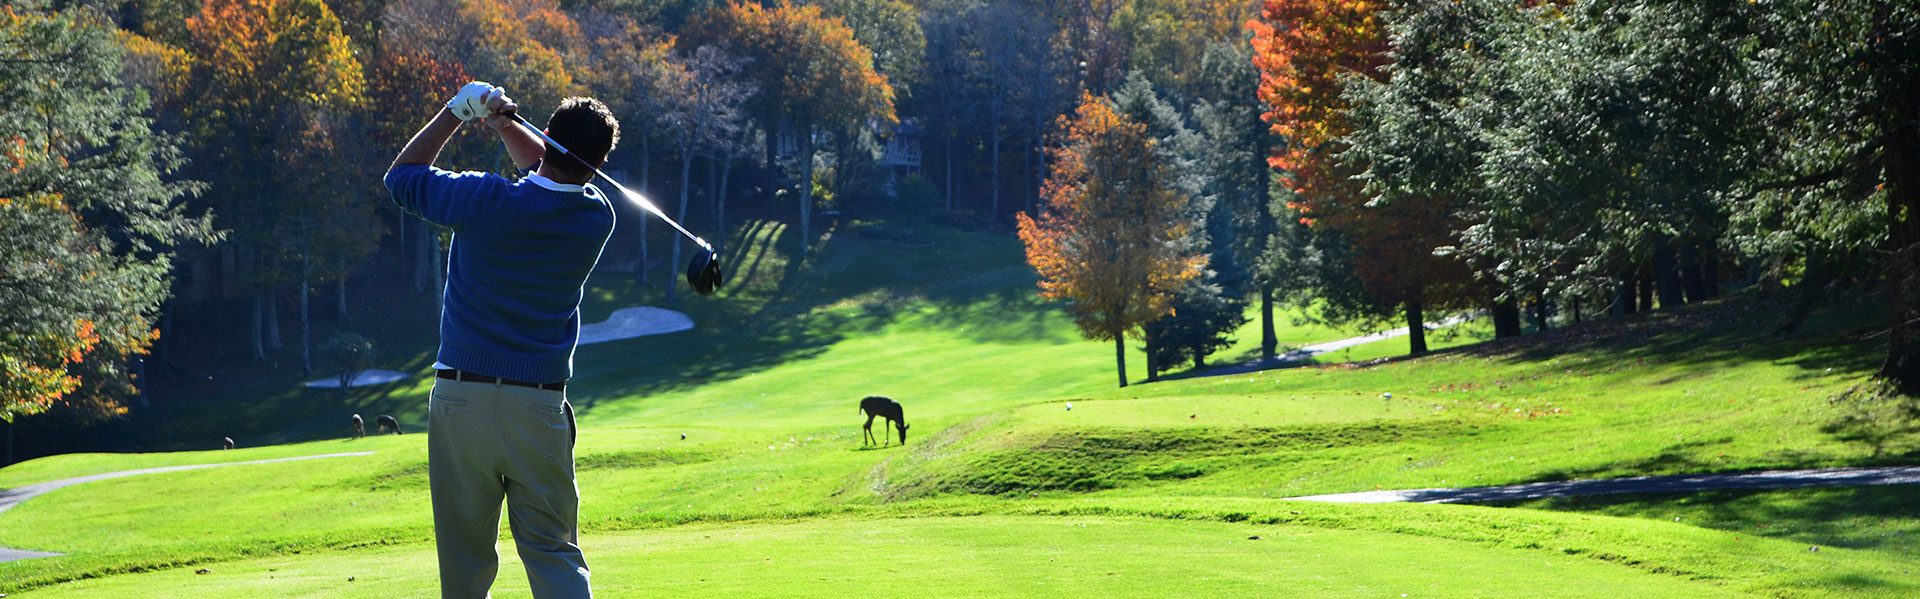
(487, 443)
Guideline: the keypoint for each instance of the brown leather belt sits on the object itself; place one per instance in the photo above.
(468, 377)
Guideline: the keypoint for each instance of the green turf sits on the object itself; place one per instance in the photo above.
(989, 556)
(765, 392)
(1882, 519)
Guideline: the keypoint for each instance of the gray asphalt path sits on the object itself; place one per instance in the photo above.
(1679, 483)
(14, 496)
(1303, 354)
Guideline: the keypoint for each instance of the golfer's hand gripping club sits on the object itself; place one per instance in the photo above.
(703, 273)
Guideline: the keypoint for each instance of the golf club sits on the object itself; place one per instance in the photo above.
(703, 272)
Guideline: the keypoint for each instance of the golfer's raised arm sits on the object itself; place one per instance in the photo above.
(425, 145)
(523, 146)
(441, 197)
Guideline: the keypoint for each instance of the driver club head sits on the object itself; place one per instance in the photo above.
(703, 272)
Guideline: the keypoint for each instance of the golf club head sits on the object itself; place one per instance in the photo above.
(703, 272)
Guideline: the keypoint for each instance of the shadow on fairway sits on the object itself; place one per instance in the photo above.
(1878, 518)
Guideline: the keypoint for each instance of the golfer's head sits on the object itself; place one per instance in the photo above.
(585, 127)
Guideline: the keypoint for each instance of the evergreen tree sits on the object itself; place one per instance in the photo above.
(88, 215)
(1209, 307)
(1236, 143)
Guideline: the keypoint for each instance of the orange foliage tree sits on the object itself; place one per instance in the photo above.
(1304, 48)
(810, 70)
(267, 72)
(1113, 239)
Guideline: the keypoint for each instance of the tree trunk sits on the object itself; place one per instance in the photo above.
(640, 274)
(1902, 157)
(1269, 342)
(1039, 179)
(720, 206)
(1506, 319)
(1646, 292)
(1120, 356)
(1666, 276)
(340, 304)
(1030, 189)
(1691, 280)
(400, 232)
(306, 323)
(423, 262)
(646, 168)
(1540, 314)
(1710, 269)
(1153, 365)
(1416, 327)
(259, 307)
(993, 153)
(686, 182)
(1574, 304)
(1622, 299)
(163, 347)
(806, 190)
(273, 322)
(772, 148)
(949, 158)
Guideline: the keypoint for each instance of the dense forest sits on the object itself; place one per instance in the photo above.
(1174, 166)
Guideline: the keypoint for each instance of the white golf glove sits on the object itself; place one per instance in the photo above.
(471, 102)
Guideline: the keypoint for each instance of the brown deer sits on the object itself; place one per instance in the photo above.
(387, 422)
(889, 409)
(359, 427)
(226, 443)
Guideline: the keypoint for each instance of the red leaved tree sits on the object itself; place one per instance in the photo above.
(1303, 49)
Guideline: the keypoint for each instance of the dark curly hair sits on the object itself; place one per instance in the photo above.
(586, 128)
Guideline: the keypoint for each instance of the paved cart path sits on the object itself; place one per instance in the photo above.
(1679, 483)
(1302, 355)
(14, 496)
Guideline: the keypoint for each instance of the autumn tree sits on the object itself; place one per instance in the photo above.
(1166, 39)
(406, 86)
(810, 70)
(89, 214)
(1305, 50)
(890, 29)
(1113, 239)
(267, 70)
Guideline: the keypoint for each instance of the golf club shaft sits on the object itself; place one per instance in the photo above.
(631, 196)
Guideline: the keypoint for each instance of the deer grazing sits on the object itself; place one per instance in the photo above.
(387, 422)
(226, 443)
(889, 409)
(359, 427)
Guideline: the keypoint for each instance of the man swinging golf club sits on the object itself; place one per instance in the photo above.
(499, 425)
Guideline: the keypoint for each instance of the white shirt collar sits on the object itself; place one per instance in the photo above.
(550, 184)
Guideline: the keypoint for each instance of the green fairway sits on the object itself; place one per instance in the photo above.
(968, 557)
(728, 460)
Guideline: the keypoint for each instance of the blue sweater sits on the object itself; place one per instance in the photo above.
(521, 254)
